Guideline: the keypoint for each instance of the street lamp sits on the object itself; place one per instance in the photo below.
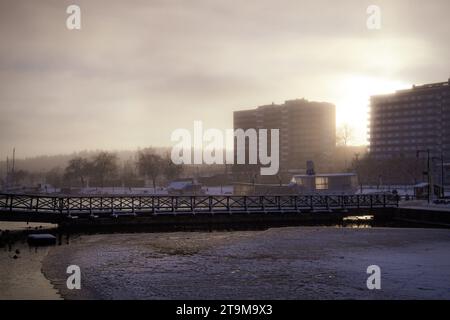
(442, 172)
(418, 152)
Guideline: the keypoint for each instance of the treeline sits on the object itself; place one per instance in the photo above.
(104, 169)
(397, 170)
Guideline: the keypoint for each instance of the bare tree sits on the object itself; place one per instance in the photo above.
(345, 135)
(54, 177)
(150, 164)
(128, 173)
(78, 168)
(19, 176)
(105, 166)
(171, 170)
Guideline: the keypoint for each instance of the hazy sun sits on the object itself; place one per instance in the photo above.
(353, 102)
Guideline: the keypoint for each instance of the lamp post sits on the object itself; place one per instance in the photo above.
(441, 158)
(418, 152)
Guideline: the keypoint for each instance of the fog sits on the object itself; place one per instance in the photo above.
(137, 70)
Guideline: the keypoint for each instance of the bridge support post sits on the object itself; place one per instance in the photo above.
(61, 204)
(68, 207)
(262, 204)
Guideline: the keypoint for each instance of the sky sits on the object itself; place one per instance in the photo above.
(137, 70)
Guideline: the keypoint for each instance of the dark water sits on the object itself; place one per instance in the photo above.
(284, 263)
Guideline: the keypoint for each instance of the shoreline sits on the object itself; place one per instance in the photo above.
(23, 263)
(25, 278)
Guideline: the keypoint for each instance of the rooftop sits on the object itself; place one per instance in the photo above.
(415, 88)
(348, 174)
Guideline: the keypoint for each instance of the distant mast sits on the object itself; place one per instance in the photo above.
(7, 173)
(13, 166)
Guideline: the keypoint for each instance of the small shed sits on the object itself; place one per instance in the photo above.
(421, 190)
(328, 183)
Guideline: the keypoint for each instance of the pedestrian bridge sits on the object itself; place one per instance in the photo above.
(55, 208)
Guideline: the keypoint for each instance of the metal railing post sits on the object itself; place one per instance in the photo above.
(11, 203)
(112, 205)
(210, 204)
(61, 204)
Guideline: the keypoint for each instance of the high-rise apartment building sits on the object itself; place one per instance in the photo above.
(307, 129)
(409, 120)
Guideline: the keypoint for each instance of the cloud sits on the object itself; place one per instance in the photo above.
(139, 69)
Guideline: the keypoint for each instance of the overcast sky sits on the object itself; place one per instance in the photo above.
(137, 70)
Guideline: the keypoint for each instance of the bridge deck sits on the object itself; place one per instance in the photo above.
(66, 206)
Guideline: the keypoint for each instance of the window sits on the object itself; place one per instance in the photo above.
(297, 181)
(321, 183)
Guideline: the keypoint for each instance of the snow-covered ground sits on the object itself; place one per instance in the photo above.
(123, 191)
(423, 204)
(402, 190)
(218, 190)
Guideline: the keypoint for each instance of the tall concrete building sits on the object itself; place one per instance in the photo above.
(409, 120)
(307, 130)
(406, 121)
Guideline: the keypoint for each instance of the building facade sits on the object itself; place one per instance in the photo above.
(409, 120)
(307, 130)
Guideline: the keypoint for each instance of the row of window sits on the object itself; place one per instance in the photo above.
(408, 134)
(406, 120)
(392, 114)
(384, 149)
(404, 126)
(414, 97)
(404, 141)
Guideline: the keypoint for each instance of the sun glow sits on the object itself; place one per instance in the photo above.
(353, 102)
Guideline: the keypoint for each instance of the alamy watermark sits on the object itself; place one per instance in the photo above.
(73, 21)
(74, 280)
(210, 147)
(374, 19)
(374, 280)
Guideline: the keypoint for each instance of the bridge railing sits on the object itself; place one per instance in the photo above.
(188, 204)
